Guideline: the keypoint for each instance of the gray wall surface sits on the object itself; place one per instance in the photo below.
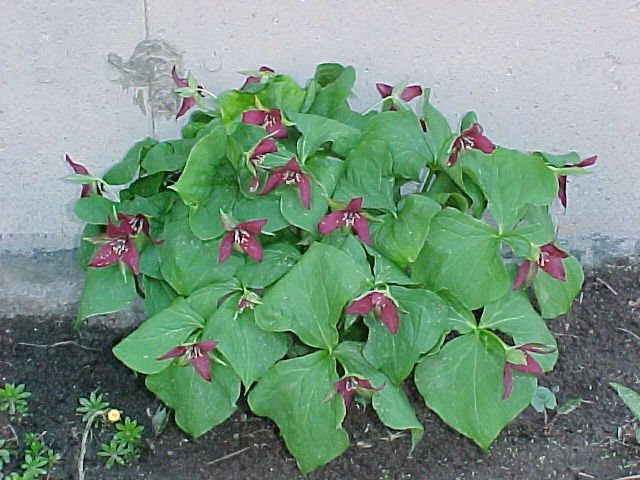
(542, 75)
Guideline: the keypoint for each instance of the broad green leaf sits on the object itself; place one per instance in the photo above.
(87, 249)
(309, 299)
(205, 160)
(146, 186)
(286, 94)
(630, 398)
(233, 103)
(158, 295)
(205, 300)
(188, 263)
(385, 271)
(106, 290)
(401, 239)
(94, 209)
(369, 174)
(336, 88)
(150, 262)
(199, 405)
(125, 170)
(294, 393)
(540, 229)
(245, 209)
(559, 160)
(391, 404)
(514, 315)
(543, 399)
(462, 383)
(512, 181)
(462, 254)
(324, 173)
(204, 218)
(154, 206)
(250, 350)
(167, 156)
(352, 246)
(402, 133)
(278, 260)
(468, 119)
(156, 336)
(460, 318)
(423, 321)
(438, 129)
(317, 130)
(555, 297)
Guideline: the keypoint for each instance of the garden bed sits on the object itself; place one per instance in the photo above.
(598, 344)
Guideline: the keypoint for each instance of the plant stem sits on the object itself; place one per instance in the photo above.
(85, 439)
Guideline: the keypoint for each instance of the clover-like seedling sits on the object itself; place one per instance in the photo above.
(13, 399)
(92, 406)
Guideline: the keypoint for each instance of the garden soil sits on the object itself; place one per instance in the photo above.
(599, 343)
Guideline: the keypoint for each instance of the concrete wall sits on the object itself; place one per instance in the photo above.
(542, 74)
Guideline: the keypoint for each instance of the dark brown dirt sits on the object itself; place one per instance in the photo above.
(598, 341)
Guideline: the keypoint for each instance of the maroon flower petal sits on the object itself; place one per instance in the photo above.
(265, 146)
(253, 226)
(483, 144)
(226, 246)
(531, 367)
(305, 191)
(389, 315)
(275, 180)
(202, 364)
(361, 228)
(76, 167)
(507, 380)
(453, 158)
(587, 162)
(187, 104)
(521, 276)
(361, 306)
(206, 346)
(411, 92)
(108, 254)
(130, 256)
(254, 117)
(331, 222)
(175, 352)
(355, 205)
(562, 190)
(180, 82)
(252, 247)
(384, 90)
(554, 267)
(277, 130)
(552, 250)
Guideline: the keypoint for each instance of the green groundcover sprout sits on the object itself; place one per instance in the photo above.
(305, 253)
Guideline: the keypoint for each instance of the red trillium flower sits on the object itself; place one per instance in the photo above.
(350, 385)
(188, 102)
(351, 216)
(254, 79)
(530, 365)
(196, 354)
(243, 237)
(133, 225)
(562, 179)
(290, 174)
(470, 138)
(271, 120)
(384, 308)
(89, 188)
(408, 94)
(118, 247)
(256, 156)
(549, 260)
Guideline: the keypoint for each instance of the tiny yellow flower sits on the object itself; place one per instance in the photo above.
(113, 415)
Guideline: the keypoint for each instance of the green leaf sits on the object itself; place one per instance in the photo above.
(250, 350)
(87, 249)
(94, 209)
(555, 297)
(188, 263)
(167, 156)
(207, 156)
(336, 82)
(460, 318)
(106, 290)
(559, 160)
(369, 174)
(353, 247)
(543, 399)
(294, 393)
(406, 142)
(204, 218)
(462, 383)
(385, 271)
(199, 405)
(514, 315)
(125, 170)
(309, 299)
(156, 336)
(205, 300)
(462, 254)
(158, 295)
(401, 239)
(233, 103)
(146, 186)
(391, 404)
(256, 208)
(277, 260)
(630, 398)
(438, 129)
(423, 321)
(317, 130)
(512, 181)
(324, 173)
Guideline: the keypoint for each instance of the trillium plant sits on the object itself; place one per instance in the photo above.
(311, 257)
